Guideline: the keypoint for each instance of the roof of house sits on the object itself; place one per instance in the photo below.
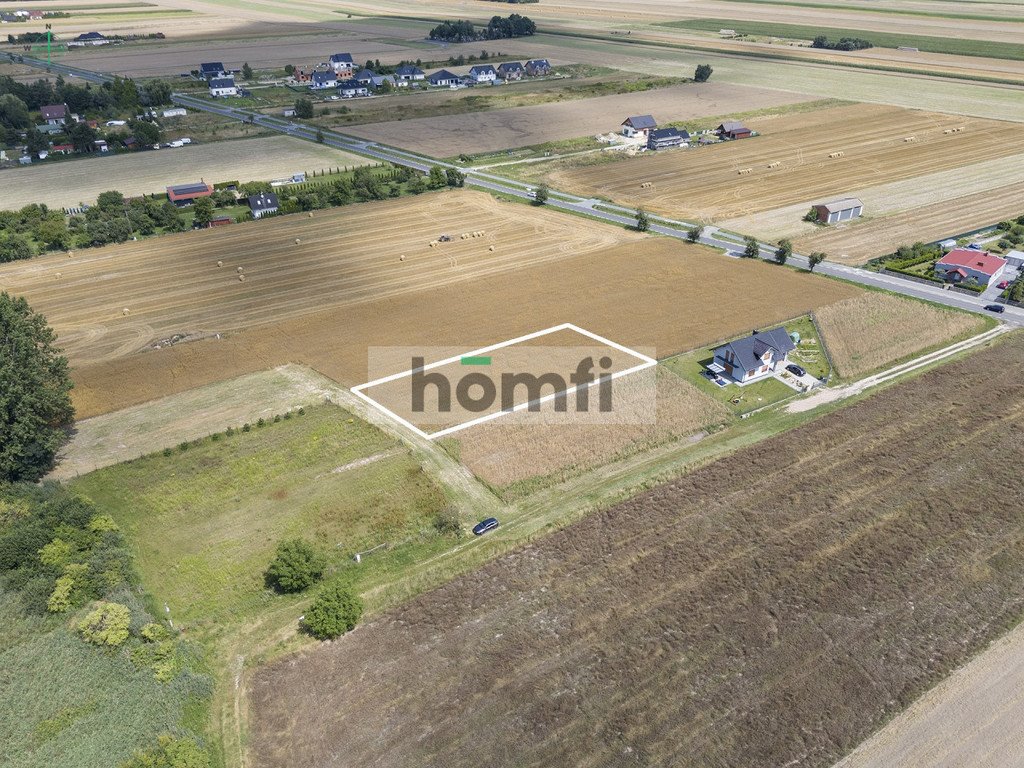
(351, 84)
(91, 36)
(1014, 255)
(538, 63)
(53, 111)
(979, 261)
(364, 74)
(408, 69)
(732, 125)
(641, 121)
(341, 58)
(482, 69)
(324, 77)
(841, 205)
(63, 147)
(443, 74)
(222, 82)
(668, 133)
(212, 66)
(263, 201)
(188, 191)
(510, 66)
(749, 350)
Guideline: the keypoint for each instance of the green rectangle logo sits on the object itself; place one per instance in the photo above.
(476, 360)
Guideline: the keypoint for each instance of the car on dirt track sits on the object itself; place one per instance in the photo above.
(796, 370)
(997, 308)
(484, 526)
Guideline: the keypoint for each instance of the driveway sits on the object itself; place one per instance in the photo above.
(799, 383)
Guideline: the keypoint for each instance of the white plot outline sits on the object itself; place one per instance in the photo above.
(646, 362)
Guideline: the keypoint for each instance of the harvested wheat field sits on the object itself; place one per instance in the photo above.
(325, 302)
(706, 183)
(716, 620)
(873, 330)
(525, 126)
(69, 184)
(648, 411)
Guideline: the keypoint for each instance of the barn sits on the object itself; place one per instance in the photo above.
(186, 194)
(839, 210)
(732, 129)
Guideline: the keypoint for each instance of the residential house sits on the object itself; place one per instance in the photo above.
(511, 70)
(350, 88)
(443, 78)
(50, 129)
(212, 69)
(537, 67)
(638, 126)
(733, 129)
(54, 114)
(364, 76)
(323, 79)
(839, 210)
(263, 204)
(966, 265)
(174, 112)
(88, 38)
(342, 64)
(665, 138)
(483, 73)
(302, 76)
(63, 149)
(101, 145)
(1014, 259)
(408, 73)
(753, 357)
(223, 86)
(186, 194)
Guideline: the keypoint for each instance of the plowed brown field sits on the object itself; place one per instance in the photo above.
(772, 608)
(707, 184)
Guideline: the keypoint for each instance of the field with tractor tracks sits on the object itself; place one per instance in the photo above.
(771, 608)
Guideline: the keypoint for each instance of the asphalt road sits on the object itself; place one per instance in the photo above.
(601, 210)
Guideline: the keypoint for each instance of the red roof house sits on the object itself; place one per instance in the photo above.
(967, 264)
(186, 194)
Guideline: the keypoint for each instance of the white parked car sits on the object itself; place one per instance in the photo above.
(185, 140)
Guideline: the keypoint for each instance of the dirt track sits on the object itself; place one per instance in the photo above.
(772, 608)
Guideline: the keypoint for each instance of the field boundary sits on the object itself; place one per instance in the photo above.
(646, 362)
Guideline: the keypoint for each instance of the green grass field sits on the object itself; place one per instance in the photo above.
(953, 45)
(868, 9)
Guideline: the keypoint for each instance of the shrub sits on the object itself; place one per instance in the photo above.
(447, 522)
(335, 611)
(702, 73)
(643, 223)
(693, 234)
(296, 566)
(107, 624)
(247, 427)
(171, 752)
(751, 250)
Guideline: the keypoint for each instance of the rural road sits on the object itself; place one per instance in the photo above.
(604, 211)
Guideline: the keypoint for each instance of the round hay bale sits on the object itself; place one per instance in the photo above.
(60, 275)
(297, 241)
(402, 257)
(311, 214)
(220, 263)
(241, 278)
(490, 248)
(70, 254)
(126, 311)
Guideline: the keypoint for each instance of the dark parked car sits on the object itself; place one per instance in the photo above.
(484, 526)
(796, 370)
(997, 308)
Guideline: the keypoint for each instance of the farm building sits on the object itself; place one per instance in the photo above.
(211, 70)
(1014, 258)
(263, 204)
(443, 77)
(638, 126)
(54, 114)
(968, 265)
(409, 73)
(323, 79)
(537, 67)
(839, 210)
(342, 63)
(732, 129)
(223, 86)
(221, 221)
(186, 194)
(88, 38)
(511, 70)
(753, 357)
(351, 88)
(664, 138)
(483, 73)
(174, 112)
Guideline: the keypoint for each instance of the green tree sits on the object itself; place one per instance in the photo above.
(693, 234)
(126, 95)
(157, 92)
(111, 202)
(203, 209)
(14, 247)
(35, 142)
(784, 251)
(35, 402)
(702, 73)
(812, 216)
(456, 178)
(144, 131)
(815, 259)
(170, 752)
(751, 250)
(642, 222)
(320, 135)
(437, 178)
(82, 136)
(540, 195)
(246, 71)
(289, 69)
(13, 112)
(53, 232)
(107, 624)
(295, 567)
(304, 108)
(335, 610)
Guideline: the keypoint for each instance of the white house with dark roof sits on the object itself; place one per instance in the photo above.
(323, 79)
(443, 78)
(483, 73)
(409, 73)
(348, 89)
(342, 63)
(638, 126)
(666, 138)
(223, 86)
(54, 114)
(263, 204)
(88, 38)
(212, 69)
(364, 76)
(753, 357)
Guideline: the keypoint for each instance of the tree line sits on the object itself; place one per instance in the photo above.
(498, 28)
(842, 44)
